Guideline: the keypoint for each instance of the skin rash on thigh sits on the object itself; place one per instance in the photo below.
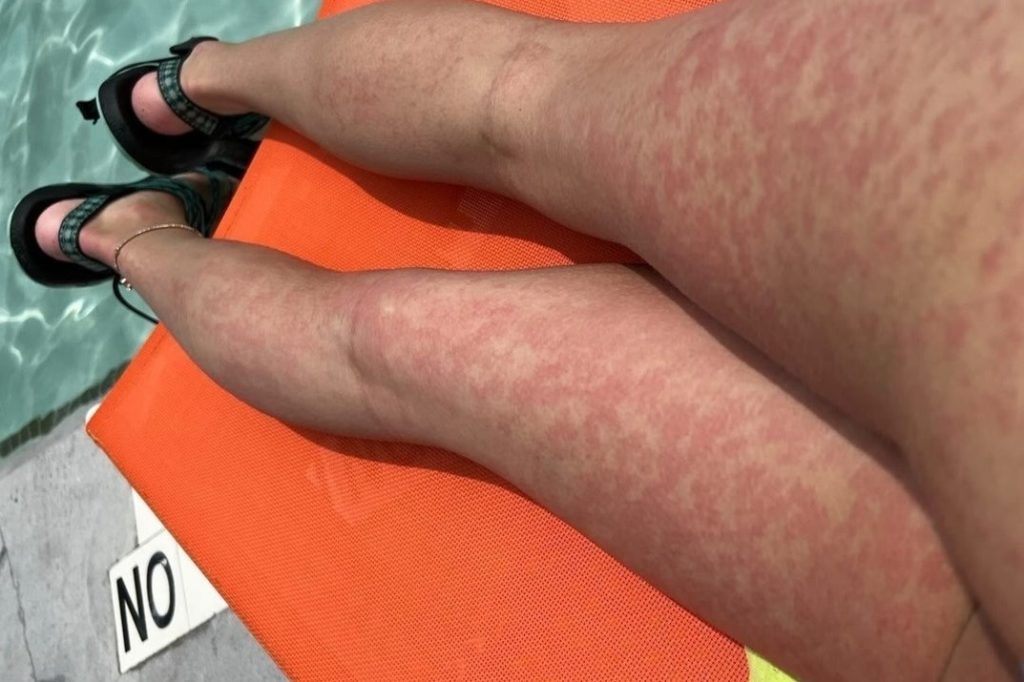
(774, 168)
(785, 521)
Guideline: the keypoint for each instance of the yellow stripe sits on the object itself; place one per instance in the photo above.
(763, 671)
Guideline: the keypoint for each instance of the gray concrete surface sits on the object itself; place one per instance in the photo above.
(14, 659)
(65, 518)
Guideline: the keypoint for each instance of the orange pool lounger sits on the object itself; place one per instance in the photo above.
(353, 560)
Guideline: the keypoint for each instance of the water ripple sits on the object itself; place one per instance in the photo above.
(58, 342)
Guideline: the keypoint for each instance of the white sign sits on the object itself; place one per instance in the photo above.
(157, 591)
(201, 598)
(147, 593)
(146, 522)
(158, 595)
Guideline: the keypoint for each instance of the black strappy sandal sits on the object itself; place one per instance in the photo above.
(83, 271)
(219, 142)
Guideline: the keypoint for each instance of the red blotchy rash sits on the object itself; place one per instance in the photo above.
(1004, 414)
(820, 133)
(703, 58)
(991, 261)
(934, 573)
(750, 489)
(786, 431)
(802, 515)
(1013, 555)
(1008, 337)
(948, 124)
(859, 162)
(988, 11)
(886, 245)
(602, 149)
(800, 45)
(760, 91)
(705, 497)
(870, 323)
(976, 159)
(998, 75)
(670, 92)
(543, 387)
(906, 166)
(898, 561)
(932, 180)
(955, 329)
(1016, 218)
(714, 428)
(363, 99)
(898, 537)
(640, 190)
(839, 78)
(731, 168)
(673, 180)
(707, 47)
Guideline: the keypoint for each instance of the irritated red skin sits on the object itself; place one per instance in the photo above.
(841, 183)
(837, 181)
(698, 464)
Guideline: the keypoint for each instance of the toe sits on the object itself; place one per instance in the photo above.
(48, 225)
(152, 110)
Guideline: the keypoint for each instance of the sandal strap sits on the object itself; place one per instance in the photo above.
(71, 228)
(220, 186)
(197, 213)
(168, 78)
(246, 124)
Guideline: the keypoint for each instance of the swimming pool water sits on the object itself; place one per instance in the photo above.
(56, 344)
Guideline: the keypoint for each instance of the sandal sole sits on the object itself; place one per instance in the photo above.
(36, 264)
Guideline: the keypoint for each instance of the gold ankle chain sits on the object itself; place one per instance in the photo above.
(117, 251)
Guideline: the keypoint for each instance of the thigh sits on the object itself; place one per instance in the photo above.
(840, 182)
(604, 395)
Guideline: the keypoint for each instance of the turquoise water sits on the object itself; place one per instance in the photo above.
(56, 344)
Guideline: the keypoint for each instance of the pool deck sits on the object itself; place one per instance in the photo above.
(65, 518)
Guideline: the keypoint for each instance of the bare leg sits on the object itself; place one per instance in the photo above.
(852, 205)
(757, 513)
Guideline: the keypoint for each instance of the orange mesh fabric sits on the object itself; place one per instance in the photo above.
(365, 561)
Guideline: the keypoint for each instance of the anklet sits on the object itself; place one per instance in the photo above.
(123, 281)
